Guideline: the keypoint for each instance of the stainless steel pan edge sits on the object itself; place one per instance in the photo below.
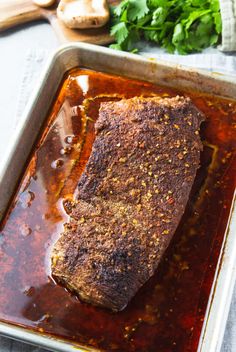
(38, 339)
(222, 290)
(25, 134)
(103, 59)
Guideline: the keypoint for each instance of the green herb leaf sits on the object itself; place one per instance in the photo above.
(194, 16)
(218, 22)
(214, 39)
(159, 16)
(178, 34)
(137, 9)
(184, 26)
(116, 46)
(154, 4)
(121, 7)
(120, 32)
(151, 36)
(215, 5)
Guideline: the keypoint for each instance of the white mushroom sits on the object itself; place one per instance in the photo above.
(44, 3)
(83, 13)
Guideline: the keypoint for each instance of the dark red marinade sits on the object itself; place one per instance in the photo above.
(167, 313)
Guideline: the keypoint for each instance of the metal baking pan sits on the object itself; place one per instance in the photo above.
(133, 66)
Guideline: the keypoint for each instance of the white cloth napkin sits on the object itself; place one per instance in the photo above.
(210, 59)
(228, 14)
(34, 62)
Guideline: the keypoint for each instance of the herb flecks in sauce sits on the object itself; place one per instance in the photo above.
(168, 311)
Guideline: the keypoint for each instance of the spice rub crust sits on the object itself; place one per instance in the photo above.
(132, 195)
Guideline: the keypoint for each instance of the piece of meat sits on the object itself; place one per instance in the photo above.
(131, 197)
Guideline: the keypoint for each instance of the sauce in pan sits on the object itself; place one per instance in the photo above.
(167, 313)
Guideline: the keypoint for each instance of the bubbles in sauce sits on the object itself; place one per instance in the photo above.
(29, 291)
(56, 164)
(65, 150)
(70, 139)
(26, 199)
(25, 230)
(167, 313)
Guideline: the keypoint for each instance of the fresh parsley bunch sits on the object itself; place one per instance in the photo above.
(182, 26)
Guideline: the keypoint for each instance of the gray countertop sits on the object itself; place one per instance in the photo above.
(16, 46)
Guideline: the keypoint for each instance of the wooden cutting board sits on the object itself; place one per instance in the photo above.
(16, 12)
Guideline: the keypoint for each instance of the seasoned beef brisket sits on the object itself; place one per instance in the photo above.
(131, 197)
